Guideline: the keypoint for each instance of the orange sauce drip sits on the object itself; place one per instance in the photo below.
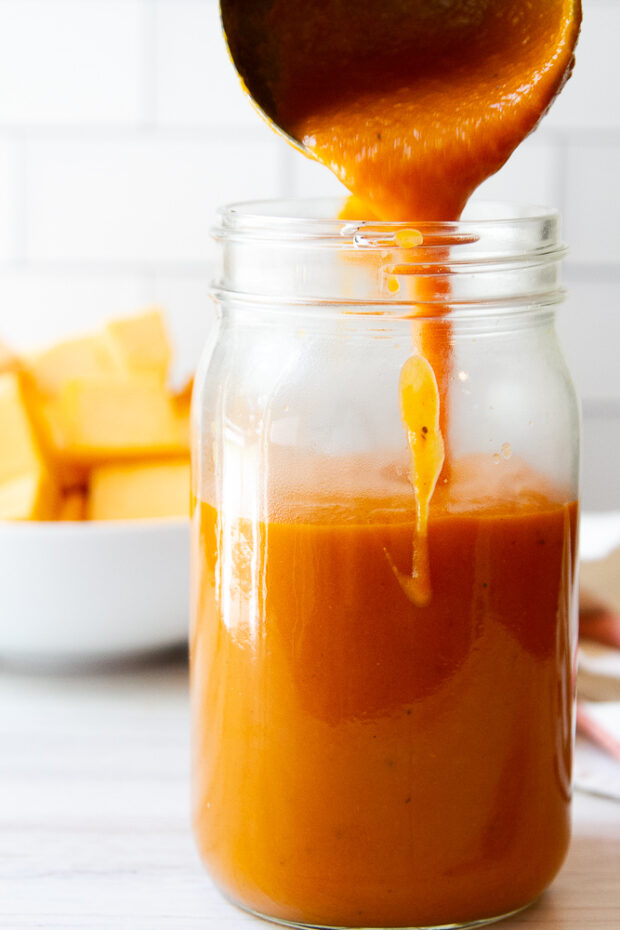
(419, 402)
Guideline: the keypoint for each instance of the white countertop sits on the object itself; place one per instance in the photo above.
(94, 829)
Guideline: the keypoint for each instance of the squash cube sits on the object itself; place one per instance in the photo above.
(84, 357)
(140, 490)
(20, 452)
(107, 419)
(28, 497)
(141, 345)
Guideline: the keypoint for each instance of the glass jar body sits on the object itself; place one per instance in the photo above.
(361, 760)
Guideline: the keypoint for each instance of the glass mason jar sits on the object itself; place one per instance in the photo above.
(365, 755)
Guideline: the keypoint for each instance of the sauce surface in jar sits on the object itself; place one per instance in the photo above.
(365, 762)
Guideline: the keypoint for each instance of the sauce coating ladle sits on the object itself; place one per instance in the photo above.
(412, 103)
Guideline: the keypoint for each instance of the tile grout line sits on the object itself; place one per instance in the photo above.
(122, 133)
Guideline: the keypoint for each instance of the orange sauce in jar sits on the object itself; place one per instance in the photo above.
(362, 761)
(381, 681)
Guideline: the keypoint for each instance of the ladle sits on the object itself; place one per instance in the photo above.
(412, 103)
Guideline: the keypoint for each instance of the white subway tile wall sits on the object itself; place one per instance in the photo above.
(196, 83)
(530, 175)
(72, 63)
(145, 201)
(11, 158)
(592, 201)
(589, 323)
(123, 126)
(590, 99)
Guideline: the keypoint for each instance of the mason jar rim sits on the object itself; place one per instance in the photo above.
(285, 252)
(323, 209)
(316, 222)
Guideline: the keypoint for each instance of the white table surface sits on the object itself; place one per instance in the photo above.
(94, 828)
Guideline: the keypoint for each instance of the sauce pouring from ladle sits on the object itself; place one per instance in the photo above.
(411, 103)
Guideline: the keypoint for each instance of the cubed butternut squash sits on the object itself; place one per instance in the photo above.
(110, 419)
(140, 490)
(84, 357)
(31, 496)
(95, 412)
(20, 450)
(140, 344)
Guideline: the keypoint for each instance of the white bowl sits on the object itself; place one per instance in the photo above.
(74, 592)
